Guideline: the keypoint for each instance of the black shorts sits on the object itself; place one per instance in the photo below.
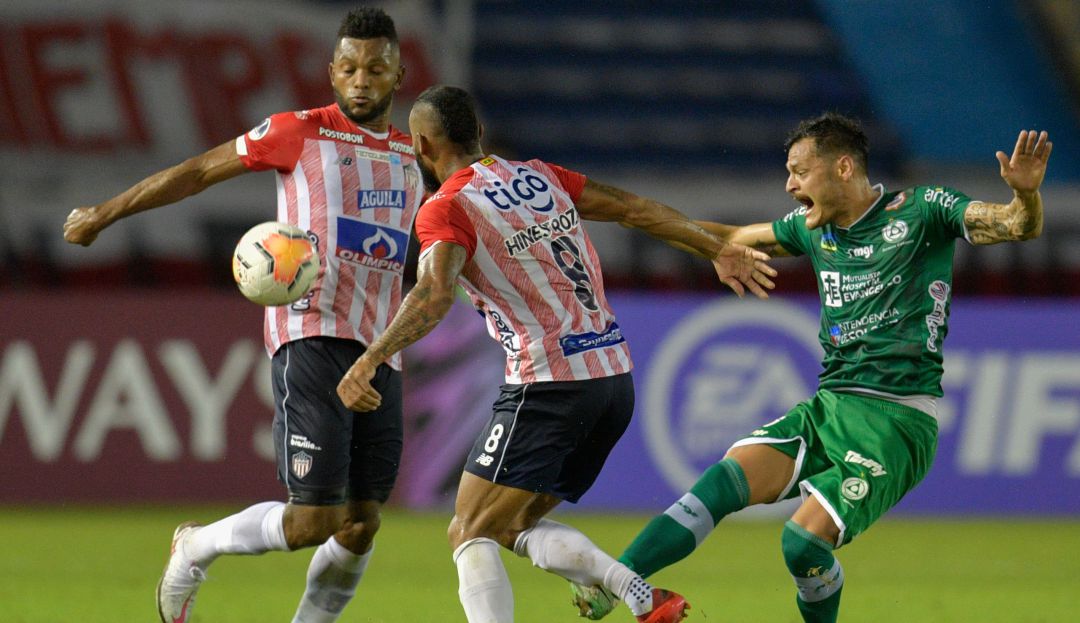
(325, 452)
(553, 437)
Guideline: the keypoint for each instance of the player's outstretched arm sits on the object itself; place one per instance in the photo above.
(1021, 218)
(758, 236)
(162, 188)
(424, 308)
(738, 267)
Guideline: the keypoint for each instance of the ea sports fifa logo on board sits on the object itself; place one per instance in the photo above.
(720, 373)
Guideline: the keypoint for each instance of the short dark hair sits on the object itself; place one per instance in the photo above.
(457, 113)
(833, 133)
(367, 23)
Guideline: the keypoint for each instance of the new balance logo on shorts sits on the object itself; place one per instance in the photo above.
(485, 460)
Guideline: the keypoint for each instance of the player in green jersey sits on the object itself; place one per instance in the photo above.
(868, 436)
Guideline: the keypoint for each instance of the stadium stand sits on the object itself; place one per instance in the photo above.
(637, 84)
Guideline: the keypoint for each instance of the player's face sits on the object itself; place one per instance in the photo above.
(365, 73)
(814, 182)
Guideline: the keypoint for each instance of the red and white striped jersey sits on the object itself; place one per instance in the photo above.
(532, 271)
(356, 193)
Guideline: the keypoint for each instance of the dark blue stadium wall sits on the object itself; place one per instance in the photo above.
(957, 78)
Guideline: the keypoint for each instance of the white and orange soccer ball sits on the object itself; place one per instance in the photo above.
(275, 264)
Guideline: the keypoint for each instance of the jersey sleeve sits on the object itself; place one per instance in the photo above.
(442, 220)
(571, 181)
(791, 232)
(275, 143)
(943, 208)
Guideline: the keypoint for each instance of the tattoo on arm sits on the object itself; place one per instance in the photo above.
(426, 305)
(990, 223)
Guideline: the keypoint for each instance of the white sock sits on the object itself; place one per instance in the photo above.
(254, 530)
(483, 586)
(635, 592)
(566, 552)
(332, 577)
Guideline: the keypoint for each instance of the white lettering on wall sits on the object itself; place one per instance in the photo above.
(128, 398)
(22, 388)
(207, 399)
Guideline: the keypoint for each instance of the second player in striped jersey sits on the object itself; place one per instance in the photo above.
(511, 234)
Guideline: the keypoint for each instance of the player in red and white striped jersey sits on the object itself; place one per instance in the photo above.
(510, 233)
(355, 191)
(351, 181)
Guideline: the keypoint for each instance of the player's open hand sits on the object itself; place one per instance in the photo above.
(739, 266)
(1024, 171)
(355, 388)
(83, 226)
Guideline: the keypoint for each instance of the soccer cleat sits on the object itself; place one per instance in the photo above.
(180, 581)
(593, 602)
(668, 607)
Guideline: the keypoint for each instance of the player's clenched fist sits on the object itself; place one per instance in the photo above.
(82, 226)
(355, 388)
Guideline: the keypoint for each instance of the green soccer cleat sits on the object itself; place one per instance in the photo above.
(593, 602)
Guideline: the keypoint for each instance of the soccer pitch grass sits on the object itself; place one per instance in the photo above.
(98, 565)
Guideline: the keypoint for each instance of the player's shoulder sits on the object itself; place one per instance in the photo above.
(292, 122)
(797, 216)
(451, 188)
(933, 196)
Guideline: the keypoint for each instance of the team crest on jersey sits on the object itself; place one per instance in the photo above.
(373, 246)
(895, 231)
(301, 464)
(260, 130)
(412, 175)
(897, 201)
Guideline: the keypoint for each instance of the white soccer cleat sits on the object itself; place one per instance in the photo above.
(180, 581)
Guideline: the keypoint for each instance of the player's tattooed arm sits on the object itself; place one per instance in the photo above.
(421, 311)
(737, 266)
(1021, 218)
(990, 223)
(758, 236)
(162, 188)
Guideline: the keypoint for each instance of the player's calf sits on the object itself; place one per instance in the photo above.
(818, 575)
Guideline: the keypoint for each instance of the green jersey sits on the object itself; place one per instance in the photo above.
(885, 285)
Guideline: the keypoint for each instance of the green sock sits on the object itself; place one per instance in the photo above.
(818, 575)
(670, 537)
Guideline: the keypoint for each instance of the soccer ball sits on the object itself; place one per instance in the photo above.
(275, 264)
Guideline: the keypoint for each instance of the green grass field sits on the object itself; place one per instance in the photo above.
(101, 565)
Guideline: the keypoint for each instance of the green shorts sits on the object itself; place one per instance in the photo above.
(858, 455)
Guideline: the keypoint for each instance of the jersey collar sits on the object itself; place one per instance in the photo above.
(880, 188)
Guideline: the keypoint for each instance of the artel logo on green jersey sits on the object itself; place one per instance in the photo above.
(940, 196)
(895, 231)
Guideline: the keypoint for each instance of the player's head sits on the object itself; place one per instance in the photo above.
(825, 156)
(366, 69)
(443, 123)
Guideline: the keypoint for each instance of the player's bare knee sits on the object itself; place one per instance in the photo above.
(307, 526)
(358, 535)
(768, 471)
(466, 527)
